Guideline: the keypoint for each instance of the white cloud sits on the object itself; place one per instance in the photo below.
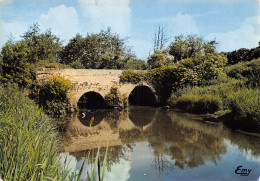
(101, 14)
(247, 36)
(179, 24)
(11, 28)
(62, 20)
(141, 48)
(201, 1)
(119, 171)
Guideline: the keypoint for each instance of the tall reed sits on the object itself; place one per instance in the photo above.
(28, 142)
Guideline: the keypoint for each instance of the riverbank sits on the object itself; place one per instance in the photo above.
(28, 141)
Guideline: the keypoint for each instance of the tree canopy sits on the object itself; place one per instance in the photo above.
(186, 47)
(243, 55)
(104, 50)
(19, 59)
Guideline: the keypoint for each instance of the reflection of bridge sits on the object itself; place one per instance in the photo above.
(107, 131)
(97, 82)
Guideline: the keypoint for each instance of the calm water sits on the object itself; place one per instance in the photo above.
(154, 144)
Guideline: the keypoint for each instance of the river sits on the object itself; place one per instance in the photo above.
(154, 144)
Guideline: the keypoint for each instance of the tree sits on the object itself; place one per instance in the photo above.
(157, 59)
(187, 47)
(136, 64)
(102, 50)
(237, 56)
(160, 58)
(160, 38)
(16, 67)
(43, 46)
(243, 55)
(19, 59)
(73, 51)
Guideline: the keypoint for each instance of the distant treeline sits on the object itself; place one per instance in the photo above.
(243, 55)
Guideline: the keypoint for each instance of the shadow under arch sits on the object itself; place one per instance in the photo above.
(91, 100)
(142, 95)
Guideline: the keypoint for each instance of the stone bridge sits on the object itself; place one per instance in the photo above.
(96, 84)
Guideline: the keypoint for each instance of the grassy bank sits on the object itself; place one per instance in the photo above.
(241, 104)
(28, 142)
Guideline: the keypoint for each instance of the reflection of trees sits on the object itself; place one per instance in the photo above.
(132, 135)
(246, 142)
(187, 146)
(112, 118)
(114, 155)
(175, 138)
(162, 165)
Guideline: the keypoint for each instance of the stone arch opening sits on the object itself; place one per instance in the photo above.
(91, 100)
(142, 96)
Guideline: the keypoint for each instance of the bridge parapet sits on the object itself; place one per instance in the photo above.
(86, 80)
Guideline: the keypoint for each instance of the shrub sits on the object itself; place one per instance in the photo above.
(245, 109)
(77, 65)
(195, 103)
(53, 95)
(249, 72)
(48, 64)
(129, 76)
(115, 99)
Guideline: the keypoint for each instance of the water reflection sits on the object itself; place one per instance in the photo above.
(165, 140)
(91, 118)
(142, 116)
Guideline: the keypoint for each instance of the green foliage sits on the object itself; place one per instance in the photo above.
(202, 68)
(53, 95)
(157, 59)
(136, 64)
(164, 80)
(42, 46)
(231, 95)
(41, 64)
(249, 72)
(77, 65)
(188, 47)
(237, 56)
(199, 70)
(27, 140)
(16, 65)
(243, 55)
(195, 103)
(220, 89)
(29, 144)
(19, 60)
(245, 109)
(129, 76)
(115, 99)
(97, 51)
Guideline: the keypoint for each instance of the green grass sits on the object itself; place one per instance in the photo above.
(245, 109)
(241, 104)
(28, 142)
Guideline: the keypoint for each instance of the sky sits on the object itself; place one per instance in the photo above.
(233, 24)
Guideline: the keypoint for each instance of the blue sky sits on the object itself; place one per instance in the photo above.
(233, 23)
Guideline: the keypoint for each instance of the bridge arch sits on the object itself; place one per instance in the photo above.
(91, 100)
(142, 95)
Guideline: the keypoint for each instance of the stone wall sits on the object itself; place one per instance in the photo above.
(85, 80)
